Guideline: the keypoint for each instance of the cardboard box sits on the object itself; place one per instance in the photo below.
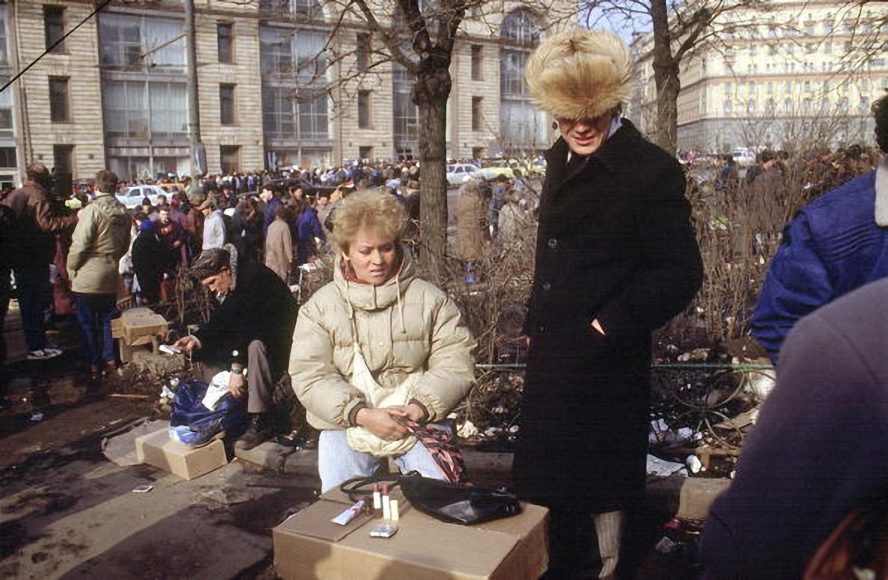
(159, 450)
(308, 545)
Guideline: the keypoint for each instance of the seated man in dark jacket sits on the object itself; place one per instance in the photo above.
(252, 329)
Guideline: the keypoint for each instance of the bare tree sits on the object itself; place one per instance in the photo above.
(679, 31)
(413, 39)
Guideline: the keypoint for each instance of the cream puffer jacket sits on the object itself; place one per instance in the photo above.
(407, 328)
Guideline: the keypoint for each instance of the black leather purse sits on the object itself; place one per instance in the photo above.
(452, 503)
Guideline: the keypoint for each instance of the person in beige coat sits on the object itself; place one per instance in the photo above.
(377, 350)
(100, 239)
(471, 225)
(279, 244)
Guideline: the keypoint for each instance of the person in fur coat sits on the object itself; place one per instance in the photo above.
(616, 258)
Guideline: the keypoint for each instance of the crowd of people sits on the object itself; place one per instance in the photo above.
(379, 357)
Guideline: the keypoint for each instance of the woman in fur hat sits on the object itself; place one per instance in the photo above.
(616, 258)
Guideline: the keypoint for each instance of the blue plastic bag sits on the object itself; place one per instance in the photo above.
(230, 416)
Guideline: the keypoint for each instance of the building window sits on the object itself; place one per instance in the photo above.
(4, 54)
(524, 128)
(226, 104)
(140, 110)
(476, 113)
(285, 51)
(727, 108)
(132, 41)
(477, 61)
(54, 26)
(5, 108)
(58, 100)
(63, 158)
(363, 52)
(364, 109)
(225, 41)
(230, 155)
(7, 157)
(309, 9)
(294, 113)
(405, 115)
(365, 152)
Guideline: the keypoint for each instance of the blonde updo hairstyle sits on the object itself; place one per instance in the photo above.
(371, 209)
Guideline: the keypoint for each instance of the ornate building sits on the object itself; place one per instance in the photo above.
(788, 75)
(280, 83)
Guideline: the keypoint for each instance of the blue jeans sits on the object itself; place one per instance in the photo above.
(94, 313)
(337, 462)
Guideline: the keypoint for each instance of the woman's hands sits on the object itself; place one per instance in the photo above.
(384, 423)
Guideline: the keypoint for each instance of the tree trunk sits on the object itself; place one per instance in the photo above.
(668, 87)
(665, 78)
(430, 93)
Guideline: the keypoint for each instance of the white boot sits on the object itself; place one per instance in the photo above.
(609, 529)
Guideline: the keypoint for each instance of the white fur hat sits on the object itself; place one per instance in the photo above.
(579, 74)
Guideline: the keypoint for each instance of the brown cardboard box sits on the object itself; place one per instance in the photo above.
(159, 450)
(308, 545)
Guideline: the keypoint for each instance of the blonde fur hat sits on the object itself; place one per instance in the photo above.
(580, 74)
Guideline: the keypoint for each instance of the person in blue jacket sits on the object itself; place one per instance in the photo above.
(306, 228)
(834, 245)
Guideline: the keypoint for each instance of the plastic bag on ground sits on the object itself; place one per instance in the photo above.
(188, 410)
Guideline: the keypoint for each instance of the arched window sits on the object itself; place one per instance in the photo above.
(521, 28)
(305, 8)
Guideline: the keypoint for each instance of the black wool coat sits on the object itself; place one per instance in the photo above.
(261, 307)
(614, 244)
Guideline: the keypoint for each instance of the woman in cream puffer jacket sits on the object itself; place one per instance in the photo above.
(410, 337)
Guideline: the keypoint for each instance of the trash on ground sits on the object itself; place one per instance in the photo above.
(143, 488)
(662, 468)
(466, 430)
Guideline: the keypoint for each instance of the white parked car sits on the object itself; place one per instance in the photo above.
(133, 196)
(743, 157)
(459, 173)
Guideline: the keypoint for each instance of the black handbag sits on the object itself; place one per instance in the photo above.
(448, 502)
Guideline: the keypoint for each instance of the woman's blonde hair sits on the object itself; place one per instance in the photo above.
(371, 209)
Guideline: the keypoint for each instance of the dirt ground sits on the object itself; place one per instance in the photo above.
(67, 511)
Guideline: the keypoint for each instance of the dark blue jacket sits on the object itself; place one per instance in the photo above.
(306, 227)
(831, 247)
(268, 214)
(818, 449)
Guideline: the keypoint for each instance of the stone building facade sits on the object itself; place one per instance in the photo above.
(113, 93)
(791, 74)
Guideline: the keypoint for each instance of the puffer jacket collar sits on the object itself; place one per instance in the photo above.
(369, 297)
